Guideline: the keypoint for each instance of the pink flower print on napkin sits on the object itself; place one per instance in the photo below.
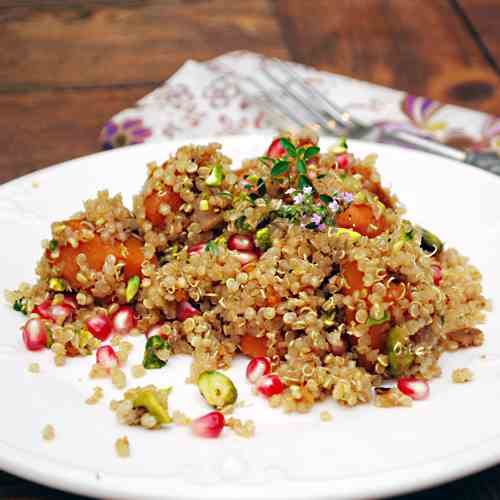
(129, 131)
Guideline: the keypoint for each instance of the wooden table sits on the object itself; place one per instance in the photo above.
(66, 66)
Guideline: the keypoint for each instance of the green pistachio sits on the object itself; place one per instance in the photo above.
(216, 176)
(57, 284)
(263, 238)
(218, 389)
(430, 242)
(133, 286)
(400, 358)
(204, 206)
(154, 344)
(148, 399)
(20, 305)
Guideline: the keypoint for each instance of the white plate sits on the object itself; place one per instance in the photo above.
(364, 452)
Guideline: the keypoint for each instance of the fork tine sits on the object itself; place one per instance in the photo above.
(277, 104)
(323, 122)
(339, 114)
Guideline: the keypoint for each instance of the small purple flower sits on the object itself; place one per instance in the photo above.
(298, 198)
(302, 225)
(129, 131)
(316, 219)
(307, 190)
(347, 197)
(322, 227)
(333, 206)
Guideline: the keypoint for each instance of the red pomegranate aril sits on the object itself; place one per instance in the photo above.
(59, 313)
(257, 368)
(186, 310)
(276, 149)
(197, 249)
(342, 161)
(43, 309)
(100, 326)
(209, 425)
(416, 388)
(270, 385)
(156, 330)
(106, 357)
(35, 334)
(245, 257)
(437, 274)
(123, 320)
(240, 242)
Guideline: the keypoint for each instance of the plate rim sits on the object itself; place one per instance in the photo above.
(75, 479)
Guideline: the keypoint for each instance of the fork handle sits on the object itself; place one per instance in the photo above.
(427, 145)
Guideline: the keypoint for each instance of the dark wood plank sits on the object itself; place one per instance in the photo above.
(95, 43)
(52, 126)
(484, 16)
(421, 47)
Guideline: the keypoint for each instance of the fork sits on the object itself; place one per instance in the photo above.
(333, 120)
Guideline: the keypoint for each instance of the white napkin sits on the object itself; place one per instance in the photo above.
(206, 99)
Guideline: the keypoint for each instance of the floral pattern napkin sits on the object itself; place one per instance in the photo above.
(211, 98)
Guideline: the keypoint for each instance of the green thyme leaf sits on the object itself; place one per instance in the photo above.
(241, 224)
(304, 182)
(53, 245)
(280, 167)
(343, 142)
(310, 152)
(289, 147)
(227, 194)
(212, 247)
(301, 167)
(327, 199)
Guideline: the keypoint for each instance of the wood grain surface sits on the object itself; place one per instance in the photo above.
(66, 66)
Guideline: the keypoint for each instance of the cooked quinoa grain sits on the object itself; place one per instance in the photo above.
(122, 447)
(95, 397)
(461, 375)
(48, 433)
(34, 368)
(325, 416)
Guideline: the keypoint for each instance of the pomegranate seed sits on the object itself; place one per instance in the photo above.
(437, 274)
(106, 356)
(270, 385)
(209, 425)
(186, 310)
(342, 161)
(257, 368)
(197, 249)
(415, 388)
(100, 326)
(35, 334)
(123, 320)
(245, 257)
(59, 313)
(156, 330)
(276, 149)
(43, 309)
(240, 242)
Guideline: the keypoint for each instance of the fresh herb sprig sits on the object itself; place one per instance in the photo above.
(298, 155)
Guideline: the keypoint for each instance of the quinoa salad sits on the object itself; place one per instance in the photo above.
(299, 259)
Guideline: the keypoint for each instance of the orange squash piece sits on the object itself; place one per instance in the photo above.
(253, 346)
(360, 218)
(153, 202)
